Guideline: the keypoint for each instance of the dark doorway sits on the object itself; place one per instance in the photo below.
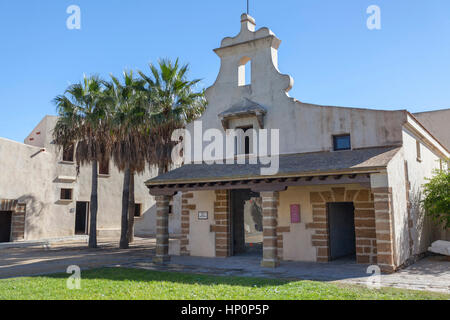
(246, 222)
(341, 224)
(5, 226)
(81, 218)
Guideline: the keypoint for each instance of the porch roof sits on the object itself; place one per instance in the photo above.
(318, 164)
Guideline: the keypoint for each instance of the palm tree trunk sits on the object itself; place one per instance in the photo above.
(125, 200)
(131, 210)
(94, 207)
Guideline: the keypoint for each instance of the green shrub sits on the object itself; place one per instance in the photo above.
(436, 200)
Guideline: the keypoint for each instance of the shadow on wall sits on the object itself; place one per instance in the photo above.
(33, 215)
(425, 224)
(145, 225)
(428, 230)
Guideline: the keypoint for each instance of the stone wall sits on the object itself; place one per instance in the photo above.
(222, 227)
(186, 208)
(366, 241)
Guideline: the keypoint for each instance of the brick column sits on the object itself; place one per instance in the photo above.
(384, 229)
(186, 209)
(222, 226)
(162, 229)
(270, 215)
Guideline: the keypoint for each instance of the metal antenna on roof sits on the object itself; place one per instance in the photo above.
(248, 7)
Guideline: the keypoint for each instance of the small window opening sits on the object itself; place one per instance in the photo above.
(137, 209)
(245, 71)
(247, 145)
(103, 167)
(68, 153)
(342, 142)
(66, 194)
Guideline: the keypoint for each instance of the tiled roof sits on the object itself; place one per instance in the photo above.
(245, 107)
(289, 165)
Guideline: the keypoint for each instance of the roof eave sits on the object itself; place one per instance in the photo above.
(365, 170)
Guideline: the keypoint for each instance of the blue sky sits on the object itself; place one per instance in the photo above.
(327, 49)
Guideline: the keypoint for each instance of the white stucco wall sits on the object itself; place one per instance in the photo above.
(22, 170)
(396, 180)
(303, 127)
(423, 230)
(31, 176)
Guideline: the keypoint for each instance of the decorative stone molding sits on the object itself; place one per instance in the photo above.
(366, 242)
(222, 227)
(186, 211)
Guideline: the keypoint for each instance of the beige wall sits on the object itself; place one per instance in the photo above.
(202, 242)
(424, 230)
(36, 177)
(397, 182)
(297, 244)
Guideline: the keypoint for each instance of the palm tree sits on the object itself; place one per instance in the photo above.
(83, 122)
(128, 102)
(172, 103)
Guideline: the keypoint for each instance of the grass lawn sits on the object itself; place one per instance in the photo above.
(122, 283)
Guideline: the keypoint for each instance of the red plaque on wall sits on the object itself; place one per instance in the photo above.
(295, 213)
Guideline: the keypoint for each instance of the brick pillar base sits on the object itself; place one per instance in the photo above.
(162, 230)
(222, 226)
(270, 215)
(384, 229)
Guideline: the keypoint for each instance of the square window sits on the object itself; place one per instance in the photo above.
(66, 194)
(68, 153)
(342, 142)
(103, 168)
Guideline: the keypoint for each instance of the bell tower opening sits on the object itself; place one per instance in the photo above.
(245, 72)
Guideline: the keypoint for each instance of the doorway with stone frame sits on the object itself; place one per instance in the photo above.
(13, 220)
(341, 228)
(246, 223)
